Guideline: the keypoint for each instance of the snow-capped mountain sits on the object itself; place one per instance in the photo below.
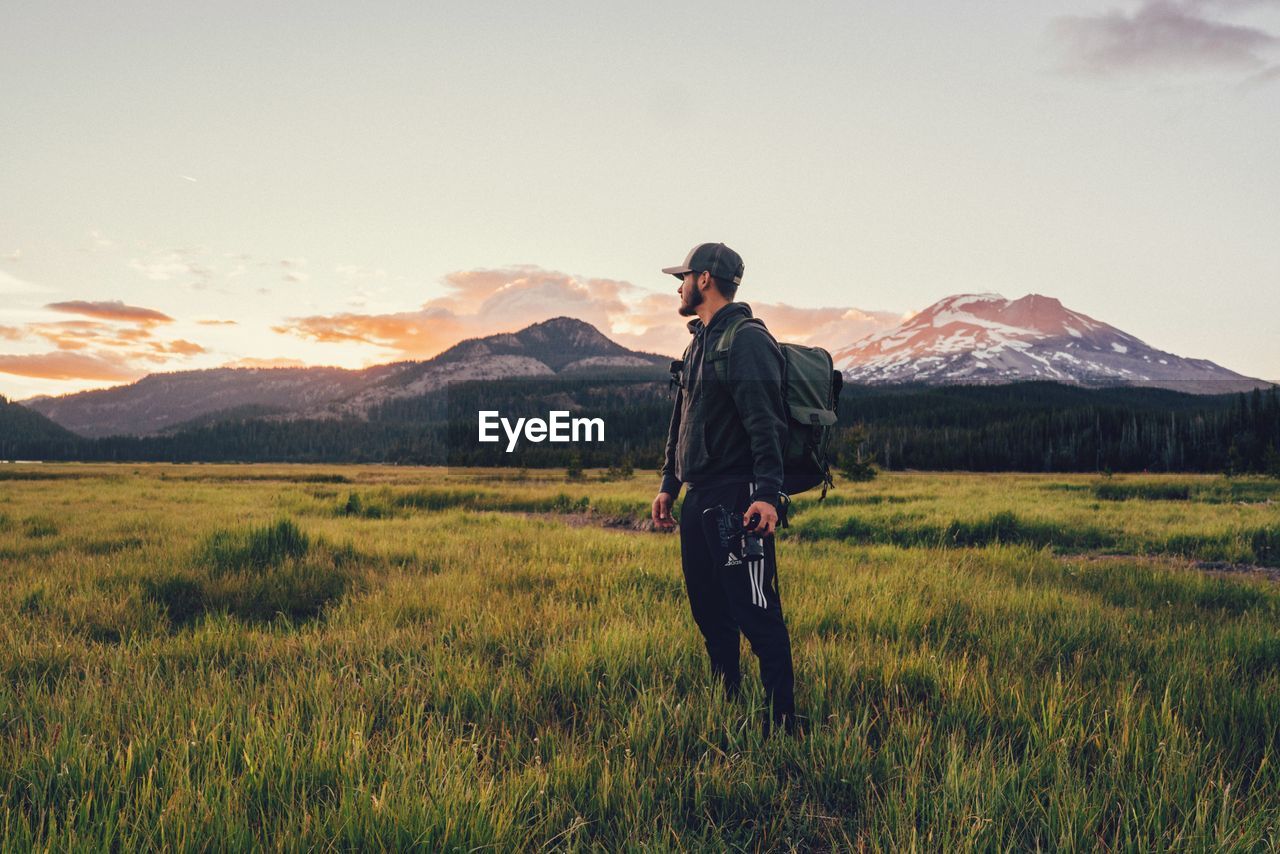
(159, 402)
(986, 339)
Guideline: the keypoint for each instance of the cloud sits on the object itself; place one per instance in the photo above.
(178, 346)
(71, 334)
(163, 265)
(478, 302)
(358, 273)
(69, 366)
(1161, 35)
(653, 326)
(113, 345)
(486, 302)
(415, 333)
(112, 310)
(294, 269)
(250, 362)
(217, 322)
(15, 255)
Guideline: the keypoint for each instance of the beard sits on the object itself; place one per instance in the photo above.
(689, 306)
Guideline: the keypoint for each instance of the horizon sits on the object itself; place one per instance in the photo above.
(872, 335)
(345, 188)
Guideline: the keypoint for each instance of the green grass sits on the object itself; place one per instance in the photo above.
(243, 657)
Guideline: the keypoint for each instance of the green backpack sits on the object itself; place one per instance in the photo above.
(810, 392)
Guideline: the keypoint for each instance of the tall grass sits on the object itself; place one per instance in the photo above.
(258, 573)
(483, 678)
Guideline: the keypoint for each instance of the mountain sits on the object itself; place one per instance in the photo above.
(20, 424)
(985, 339)
(159, 403)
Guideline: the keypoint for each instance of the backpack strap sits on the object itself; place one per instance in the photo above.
(677, 369)
(719, 357)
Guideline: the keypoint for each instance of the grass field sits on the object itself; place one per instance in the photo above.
(336, 657)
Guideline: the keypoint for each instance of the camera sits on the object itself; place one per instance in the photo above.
(731, 534)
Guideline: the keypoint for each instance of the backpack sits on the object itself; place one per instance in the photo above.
(810, 393)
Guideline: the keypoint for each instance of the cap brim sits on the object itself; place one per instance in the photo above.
(677, 271)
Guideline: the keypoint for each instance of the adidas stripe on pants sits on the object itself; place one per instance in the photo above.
(728, 596)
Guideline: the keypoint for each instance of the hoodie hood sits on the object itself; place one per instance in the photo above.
(721, 317)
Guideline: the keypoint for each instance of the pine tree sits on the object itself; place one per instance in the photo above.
(855, 465)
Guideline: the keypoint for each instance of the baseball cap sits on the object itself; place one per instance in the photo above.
(714, 258)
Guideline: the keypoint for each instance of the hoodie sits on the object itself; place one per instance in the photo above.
(728, 432)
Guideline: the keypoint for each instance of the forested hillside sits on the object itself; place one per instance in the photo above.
(1021, 427)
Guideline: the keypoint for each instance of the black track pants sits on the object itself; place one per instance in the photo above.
(728, 595)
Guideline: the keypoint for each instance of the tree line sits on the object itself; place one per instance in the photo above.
(1037, 426)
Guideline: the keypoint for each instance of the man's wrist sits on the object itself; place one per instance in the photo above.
(767, 497)
(670, 485)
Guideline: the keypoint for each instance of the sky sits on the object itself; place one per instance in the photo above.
(187, 186)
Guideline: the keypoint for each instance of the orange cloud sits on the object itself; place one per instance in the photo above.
(112, 348)
(216, 322)
(412, 333)
(111, 310)
(480, 302)
(487, 302)
(68, 366)
(70, 334)
(178, 346)
(12, 333)
(250, 362)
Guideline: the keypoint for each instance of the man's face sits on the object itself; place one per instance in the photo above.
(690, 296)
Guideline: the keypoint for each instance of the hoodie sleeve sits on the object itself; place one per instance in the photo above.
(755, 381)
(670, 483)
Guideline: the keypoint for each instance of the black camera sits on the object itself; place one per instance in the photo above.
(732, 535)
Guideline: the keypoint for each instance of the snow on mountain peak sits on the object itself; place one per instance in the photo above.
(985, 338)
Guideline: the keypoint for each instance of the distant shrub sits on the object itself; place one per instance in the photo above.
(623, 470)
(564, 503)
(855, 460)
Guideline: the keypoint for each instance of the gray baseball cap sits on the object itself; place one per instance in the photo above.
(714, 258)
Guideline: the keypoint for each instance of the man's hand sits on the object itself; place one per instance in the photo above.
(662, 511)
(768, 517)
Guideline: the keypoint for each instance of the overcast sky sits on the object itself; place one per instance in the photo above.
(185, 186)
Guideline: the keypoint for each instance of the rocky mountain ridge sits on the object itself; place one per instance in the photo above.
(161, 401)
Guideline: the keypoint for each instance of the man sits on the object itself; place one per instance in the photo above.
(726, 443)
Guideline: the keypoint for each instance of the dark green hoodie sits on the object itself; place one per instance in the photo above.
(728, 432)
